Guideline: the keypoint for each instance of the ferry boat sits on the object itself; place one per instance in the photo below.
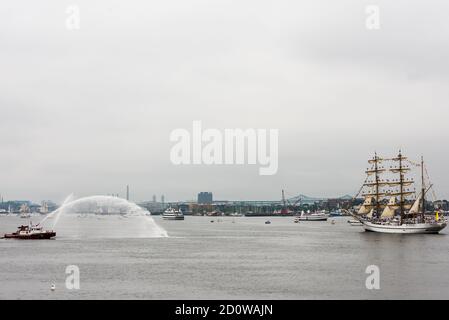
(173, 214)
(387, 207)
(30, 232)
(315, 216)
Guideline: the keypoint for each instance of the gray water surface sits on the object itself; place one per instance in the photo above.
(237, 258)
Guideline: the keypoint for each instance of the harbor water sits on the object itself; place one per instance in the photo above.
(228, 258)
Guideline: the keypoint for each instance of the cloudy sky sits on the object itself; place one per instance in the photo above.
(90, 110)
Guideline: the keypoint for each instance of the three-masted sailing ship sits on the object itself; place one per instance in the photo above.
(391, 204)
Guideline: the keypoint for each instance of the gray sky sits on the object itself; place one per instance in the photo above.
(90, 110)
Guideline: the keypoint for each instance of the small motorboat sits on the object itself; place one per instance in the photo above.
(268, 222)
(30, 232)
(354, 222)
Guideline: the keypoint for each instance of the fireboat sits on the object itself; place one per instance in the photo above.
(31, 232)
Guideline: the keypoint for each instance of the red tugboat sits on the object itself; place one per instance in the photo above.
(30, 232)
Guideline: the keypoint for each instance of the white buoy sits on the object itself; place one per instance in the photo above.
(333, 222)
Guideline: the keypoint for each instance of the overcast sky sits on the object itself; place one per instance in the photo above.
(90, 110)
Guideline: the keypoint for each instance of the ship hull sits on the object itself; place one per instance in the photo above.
(37, 236)
(405, 228)
(173, 217)
(312, 218)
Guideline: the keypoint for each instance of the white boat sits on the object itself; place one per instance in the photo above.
(172, 214)
(399, 214)
(354, 222)
(236, 214)
(315, 216)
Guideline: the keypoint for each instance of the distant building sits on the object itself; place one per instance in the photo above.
(205, 198)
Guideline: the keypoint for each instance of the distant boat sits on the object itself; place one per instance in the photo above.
(236, 214)
(268, 222)
(173, 214)
(25, 211)
(44, 208)
(336, 213)
(315, 216)
(354, 222)
(215, 213)
(257, 214)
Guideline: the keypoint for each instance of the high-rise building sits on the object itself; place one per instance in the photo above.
(154, 198)
(163, 199)
(205, 198)
(127, 192)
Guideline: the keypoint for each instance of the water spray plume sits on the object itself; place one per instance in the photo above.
(103, 217)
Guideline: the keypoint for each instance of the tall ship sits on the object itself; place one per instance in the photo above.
(173, 214)
(392, 204)
(25, 211)
(44, 208)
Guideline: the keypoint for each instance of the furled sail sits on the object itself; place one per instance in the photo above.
(390, 208)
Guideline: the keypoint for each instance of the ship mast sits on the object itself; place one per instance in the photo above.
(402, 183)
(376, 184)
(423, 190)
(376, 167)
